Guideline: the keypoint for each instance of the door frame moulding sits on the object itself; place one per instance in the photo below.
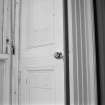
(70, 52)
(6, 57)
(82, 14)
(16, 57)
(66, 50)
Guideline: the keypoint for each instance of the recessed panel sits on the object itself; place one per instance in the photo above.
(41, 87)
(41, 79)
(38, 16)
(41, 96)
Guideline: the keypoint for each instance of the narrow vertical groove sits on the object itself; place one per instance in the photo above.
(89, 93)
(84, 49)
(19, 41)
(90, 47)
(71, 34)
(74, 52)
(77, 52)
(11, 57)
(94, 49)
(81, 40)
(87, 68)
(93, 55)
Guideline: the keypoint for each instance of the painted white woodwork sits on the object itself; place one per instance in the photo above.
(5, 61)
(83, 76)
(4, 82)
(6, 24)
(70, 33)
(3, 57)
(92, 57)
(1, 83)
(15, 58)
(41, 76)
(1, 23)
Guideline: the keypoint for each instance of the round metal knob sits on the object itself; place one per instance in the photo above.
(58, 55)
